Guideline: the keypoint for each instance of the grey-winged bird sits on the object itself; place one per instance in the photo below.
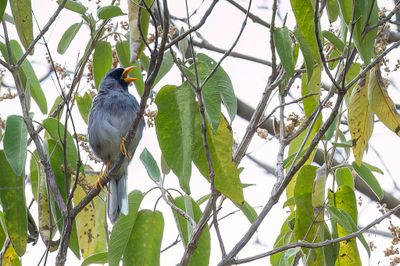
(112, 116)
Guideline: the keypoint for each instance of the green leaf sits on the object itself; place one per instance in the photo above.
(34, 172)
(12, 197)
(123, 228)
(56, 131)
(22, 13)
(346, 9)
(332, 8)
(220, 143)
(144, 246)
(98, 258)
(84, 105)
(151, 165)
(217, 89)
(123, 54)
(67, 37)
(165, 67)
(56, 104)
(365, 173)
(74, 6)
(306, 51)
(248, 211)
(3, 5)
(201, 255)
(107, 12)
(15, 143)
(174, 127)
(284, 237)
(374, 168)
(346, 144)
(344, 177)
(332, 38)
(27, 72)
(284, 47)
(102, 61)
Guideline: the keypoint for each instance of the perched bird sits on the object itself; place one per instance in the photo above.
(112, 116)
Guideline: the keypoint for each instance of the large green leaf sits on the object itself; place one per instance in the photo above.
(284, 47)
(332, 8)
(365, 173)
(123, 228)
(22, 14)
(27, 73)
(174, 126)
(102, 61)
(84, 103)
(12, 196)
(201, 255)
(220, 144)
(56, 131)
(217, 89)
(74, 6)
(344, 177)
(346, 8)
(151, 165)
(15, 143)
(67, 37)
(107, 12)
(3, 5)
(144, 246)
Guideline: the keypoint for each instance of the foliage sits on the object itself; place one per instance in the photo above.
(193, 118)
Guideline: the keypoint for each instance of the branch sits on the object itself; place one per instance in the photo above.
(253, 17)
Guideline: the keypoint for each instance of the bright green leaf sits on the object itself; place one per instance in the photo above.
(344, 177)
(22, 14)
(365, 173)
(3, 5)
(332, 8)
(74, 6)
(84, 105)
(15, 143)
(174, 128)
(67, 37)
(102, 61)
(284, 47)
(332, 38)
(151, 165)
(107, 12)
(346, 8)
(12, 197)
(123, 228)
(248, 211)
(144, 246)
(98, 258)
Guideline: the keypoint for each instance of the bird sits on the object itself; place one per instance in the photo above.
(111, 118)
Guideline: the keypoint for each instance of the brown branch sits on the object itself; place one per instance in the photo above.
(253, 17)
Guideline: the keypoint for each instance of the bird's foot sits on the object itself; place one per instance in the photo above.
(122, 148)
(103, 177)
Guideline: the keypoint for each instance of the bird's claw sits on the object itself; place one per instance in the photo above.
(102, 178)
(123, 149)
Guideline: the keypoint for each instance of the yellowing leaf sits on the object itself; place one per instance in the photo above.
(90, 222)
(382, 105)
(10, 257)
(22, 14)
(360, 118)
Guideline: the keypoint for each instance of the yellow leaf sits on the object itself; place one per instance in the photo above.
(360, 118)
(382, 105)
(10, 257)
(90, 222)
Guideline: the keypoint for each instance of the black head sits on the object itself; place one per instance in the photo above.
(117, 77)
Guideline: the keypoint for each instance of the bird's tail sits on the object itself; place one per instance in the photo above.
(117, 198)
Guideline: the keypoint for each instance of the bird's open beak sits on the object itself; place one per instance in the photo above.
(125, 74)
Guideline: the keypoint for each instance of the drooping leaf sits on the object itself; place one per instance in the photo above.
(10, 257)
(165, 67)
(22, 14)
(319, 187)
(220, 144)
(306, 51)
(346, 8)
(12, 197)
(201, 255)
(107, 12)
(174, 127)
(248, 211)
(123, 54)
(284, 47)
(56, 105)
(332, 38)
(151, 165)
(67, 37)
(285, 237)
(332, 8)
(102, 61)
(345, 201)
(27, 73)
(123, 228)
(344, 177)
(74, 6)
(144, 246)
(34, 167)
(365, 173)
(15, 143)
(360, 119)
(84, 103)
(56, 131)
(381, 103)
(90, 222)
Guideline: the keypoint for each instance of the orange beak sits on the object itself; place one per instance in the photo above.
(125, 75)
